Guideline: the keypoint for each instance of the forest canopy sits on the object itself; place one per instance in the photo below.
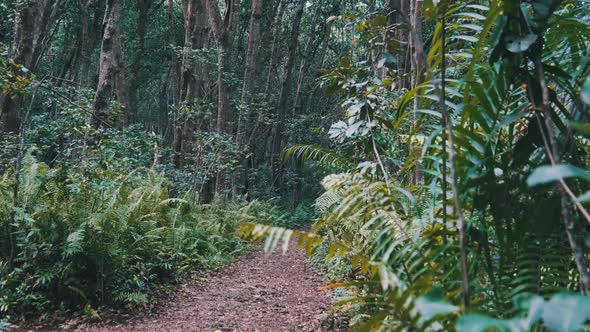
(439, 150)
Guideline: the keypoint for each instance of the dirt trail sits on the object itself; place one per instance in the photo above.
(258, 292)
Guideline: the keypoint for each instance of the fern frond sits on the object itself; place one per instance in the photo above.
(326, 158)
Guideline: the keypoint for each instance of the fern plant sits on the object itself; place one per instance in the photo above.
(475, 214)
(87, 239)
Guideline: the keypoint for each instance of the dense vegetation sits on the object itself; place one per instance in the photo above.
(451, 137)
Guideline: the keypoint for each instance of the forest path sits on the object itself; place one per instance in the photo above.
(258, 292)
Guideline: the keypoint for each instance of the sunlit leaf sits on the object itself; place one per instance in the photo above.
(546, 174)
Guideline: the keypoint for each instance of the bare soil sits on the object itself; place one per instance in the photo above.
(258, 292)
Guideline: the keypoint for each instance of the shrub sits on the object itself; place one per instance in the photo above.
(102, 236)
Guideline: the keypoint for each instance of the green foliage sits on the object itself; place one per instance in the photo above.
(438, 115)
(546, 174)
(302, 216)
(103, 236)
(387, 227)
(14, 79)
(327, 159)
(562, 313)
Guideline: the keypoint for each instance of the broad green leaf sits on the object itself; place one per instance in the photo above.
(546, 174)
(432, 304)
(585, 197)
(467, 38)
(534, 305)
(518, 44)
(474, 27)
(472, 15)
(480, 7)
(581, 127)
(566, 312)
(481, 323)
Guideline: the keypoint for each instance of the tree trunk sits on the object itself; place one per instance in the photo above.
(68, 70)
(398, 9)
(30, 37)
(307, 54)
(285, 87)
(85, 45)
(417, 76)
(143, 7)
(192, 76)
(239, 180)
(275, 44)
(111, 76)
(195, 37)
(252, 51)
(323, 52)
(223, 31)
(417, 65)
(166, 97)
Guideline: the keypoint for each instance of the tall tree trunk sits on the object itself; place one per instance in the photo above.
(272, 63)
(45, 17)
(417, 65)
(191, 78)
(223, 31)
(111, 70)
(397, 9)
(143, 7)
(252, 51)
(167, 98)
(324, 47)
(377, 49)
(85, 46)
(239, 180)
(95, 40)
(196, 30)
(417, 76)
(68, 71)
(277, 134)
(307, 54)
(30, 37)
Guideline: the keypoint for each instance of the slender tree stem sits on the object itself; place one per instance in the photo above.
(452, 169)
(385, 176)
(451, 145)
(552, 148)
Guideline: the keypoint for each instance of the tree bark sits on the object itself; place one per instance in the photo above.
(196, 31)
(68, 70)
(30, 37)
(111, 70)
(398, 9)
(192, 76)
(285, 88)
(417, 63)
(222, 30)
(85, 45)
(166, 97)
(324, 47)
(309, 53)
(239, 181)
(252, 51)
(143, 7)
(275, 44)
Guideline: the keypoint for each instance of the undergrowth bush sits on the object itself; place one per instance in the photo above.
(88, 237)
